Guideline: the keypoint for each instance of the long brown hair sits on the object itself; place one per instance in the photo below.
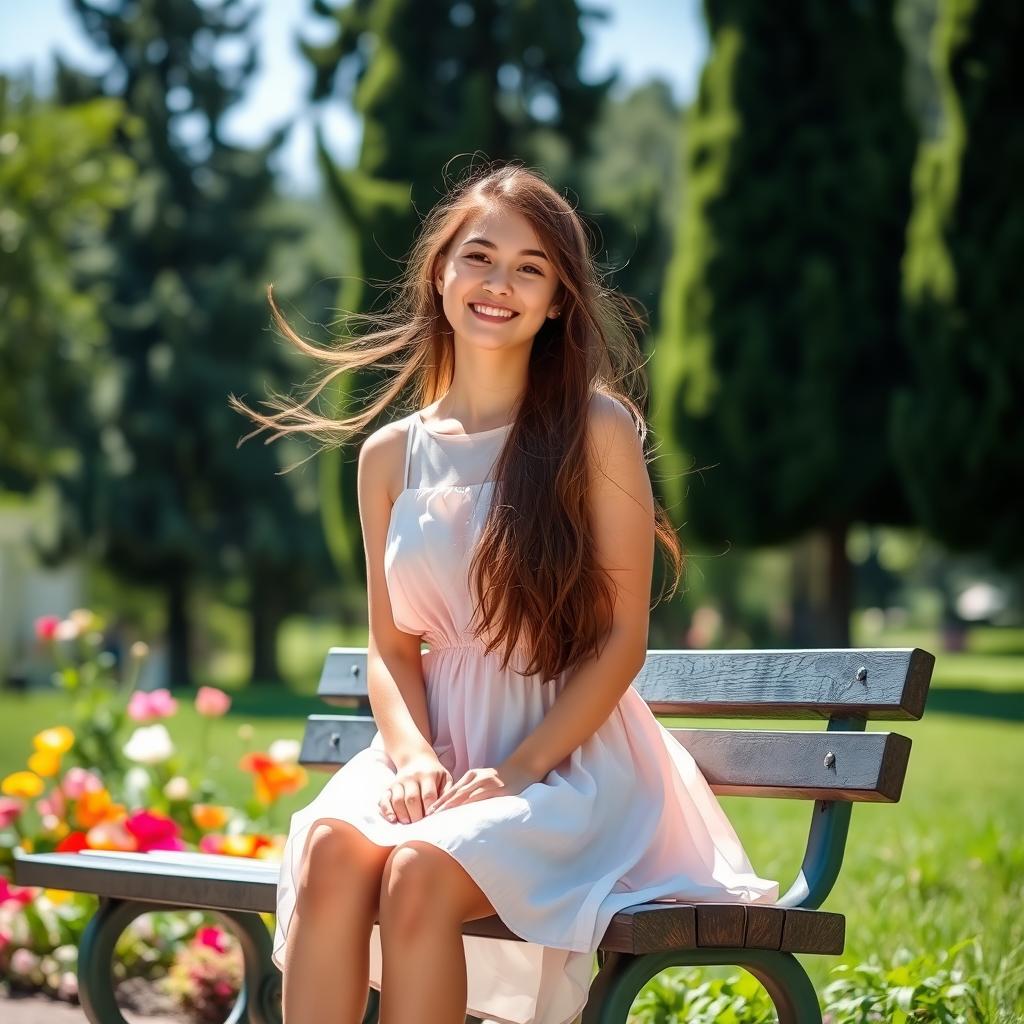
(534, 574)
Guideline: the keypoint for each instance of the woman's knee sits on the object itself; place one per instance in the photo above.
(418, 885)
(340, 862)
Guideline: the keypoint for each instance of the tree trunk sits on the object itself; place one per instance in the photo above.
(266, 612)
(822, 590)
(179, 632)
(839, 595)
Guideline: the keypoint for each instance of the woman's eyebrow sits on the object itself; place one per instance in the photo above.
(491, 245)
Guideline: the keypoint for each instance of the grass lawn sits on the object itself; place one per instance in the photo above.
(944, 864)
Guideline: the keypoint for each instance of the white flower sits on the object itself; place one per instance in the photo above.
(137, 781)
(284, 751)
(177, 788)
(149, 744)
(67, 629)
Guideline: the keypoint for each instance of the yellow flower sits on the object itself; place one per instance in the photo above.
(26, 784)
(45, 763)
(58, 740)
(58, 895)
(239, 846)
(27, 844)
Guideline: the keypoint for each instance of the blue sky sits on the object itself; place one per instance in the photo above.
(643, 38)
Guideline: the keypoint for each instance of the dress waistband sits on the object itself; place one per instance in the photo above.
(443, 646)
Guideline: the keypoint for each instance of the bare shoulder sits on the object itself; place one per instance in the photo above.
(382, 461)
(612, 431)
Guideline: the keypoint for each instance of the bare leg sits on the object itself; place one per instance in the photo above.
(425, 898)
(327, 955)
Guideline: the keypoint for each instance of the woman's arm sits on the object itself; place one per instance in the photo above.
(621, 506)
(394, 668)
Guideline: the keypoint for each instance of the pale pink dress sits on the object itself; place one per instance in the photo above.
(627, 818)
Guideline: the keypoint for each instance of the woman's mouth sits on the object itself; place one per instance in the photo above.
(493, 317)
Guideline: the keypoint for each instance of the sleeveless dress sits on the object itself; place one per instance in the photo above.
(626, 819)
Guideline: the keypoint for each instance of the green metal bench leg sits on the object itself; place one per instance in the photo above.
(622, 977)
(259, 1001)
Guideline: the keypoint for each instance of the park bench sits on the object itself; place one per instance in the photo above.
(833, 767)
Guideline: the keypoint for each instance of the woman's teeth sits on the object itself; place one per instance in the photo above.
(492, 313)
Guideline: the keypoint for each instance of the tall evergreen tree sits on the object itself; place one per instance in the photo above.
(781, 338)
(432, 79)
(169, 498)
(957, 431)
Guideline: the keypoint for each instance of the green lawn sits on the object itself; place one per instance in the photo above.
(944, 864)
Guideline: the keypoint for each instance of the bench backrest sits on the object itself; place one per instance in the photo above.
(834, 767)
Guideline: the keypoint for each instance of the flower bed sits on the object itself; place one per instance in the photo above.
(114, 779)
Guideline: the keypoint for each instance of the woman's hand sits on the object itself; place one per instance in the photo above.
(416, 785)
(482, 783)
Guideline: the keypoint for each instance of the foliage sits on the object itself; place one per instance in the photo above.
(60, 182)
(207, 974)
(165, 497)
(926, 989)
(780, 340)
(957, 428)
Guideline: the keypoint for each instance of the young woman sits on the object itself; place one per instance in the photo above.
(508, 522)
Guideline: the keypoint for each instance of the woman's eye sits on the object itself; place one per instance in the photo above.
(529, 266)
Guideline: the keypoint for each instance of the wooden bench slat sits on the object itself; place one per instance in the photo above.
(817, 765)
(251, 885)
(885, 683)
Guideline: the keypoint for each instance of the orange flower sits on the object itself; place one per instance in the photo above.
(210, 816)
(274, 782)
(45, 763)
(96, 806)
(273, 778)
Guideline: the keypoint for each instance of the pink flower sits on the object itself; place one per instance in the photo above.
(212, 937)
(211, 842)
(79, 781)
(10, 810)
(145, 706)
(20, 894)
(155, 831)
(53, 803)
(46, 626)
(212, 702)
(5, 939)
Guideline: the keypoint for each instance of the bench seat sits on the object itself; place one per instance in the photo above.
(220, 882)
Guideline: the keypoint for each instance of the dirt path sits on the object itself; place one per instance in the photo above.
(43, 1010)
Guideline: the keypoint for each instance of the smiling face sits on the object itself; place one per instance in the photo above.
(496, 261)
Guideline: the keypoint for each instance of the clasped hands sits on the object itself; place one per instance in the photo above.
(423, 786)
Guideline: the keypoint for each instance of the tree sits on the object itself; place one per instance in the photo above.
(432, 79)
(167, 498)
(781, 341)
(957, 430)
(633, 177)
(59, 183)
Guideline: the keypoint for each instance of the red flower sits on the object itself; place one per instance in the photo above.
(46, 626)
(72, 843)
(155, 831)
(19, 893)
(212, 937)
